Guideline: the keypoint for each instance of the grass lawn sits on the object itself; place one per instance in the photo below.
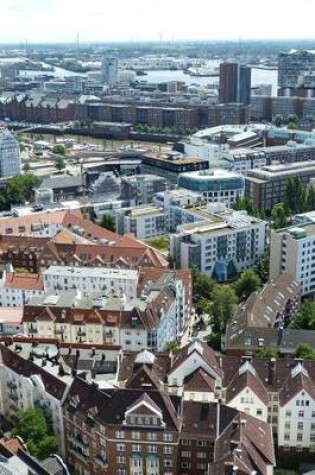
(161, 243)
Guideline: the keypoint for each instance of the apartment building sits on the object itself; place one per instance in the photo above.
(88, 280)
(216, 185)
(174, 201)
(141, 188)
(267, 186)
(292, 251)
(144, 222)
(10, 162)
(159, 314)
(16, 289)
(221, 246)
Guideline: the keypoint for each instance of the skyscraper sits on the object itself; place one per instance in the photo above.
(235, 83)
(109, 70)
(10, 163)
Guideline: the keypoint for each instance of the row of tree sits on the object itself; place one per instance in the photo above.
(144, 128)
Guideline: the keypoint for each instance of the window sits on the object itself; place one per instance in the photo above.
(151, 436)
(299, 436)
(152, 449)
(287, 436)
(186, 442)
(168, 437)
(202, 443)
(287, 425)
(259, 412)
(120, 434)
(201, 455)
(202, 466)
(168, 463)
(120, 447)
(121, 459)
(136, 448)
(312, 426)
(287, 413)
(186, 464)
(301, 414)
(168, 449)
(186, 453)
(300, 425)
(135, 435)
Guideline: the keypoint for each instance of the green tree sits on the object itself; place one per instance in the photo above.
(304, 350)
(19, 188)
(224, 302)
(278, 120)
(214, 341)
(172, 346)
(296, 195)
(305, 319)
(246, 204)
(311, 198)
(60, 164)
(108, 222)
(59, 149)
(32, 426)
(292, 126)
(202, 307)
(248, 283)
(26, 167)
(202, 285)
(262, 268)
(267, 352)
(279, 216)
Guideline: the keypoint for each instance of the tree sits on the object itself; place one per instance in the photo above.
(267, 352)
(224, 302)
(305, 351)
(278, 120)
(108, 222)
(202, 307)
(311, 198)
(214, 341)
(19, 188)
(60, 164)
(305, 319)
(202, 285)
(59, 149)
(279, 216)
(296, 195)
(172, 346)
(26, 167)
(248, 283)
(34, 429)
(246, 204)
(262, 268)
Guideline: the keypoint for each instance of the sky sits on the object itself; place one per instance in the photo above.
(47, 21)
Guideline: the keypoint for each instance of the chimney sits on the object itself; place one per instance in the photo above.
(218, 419)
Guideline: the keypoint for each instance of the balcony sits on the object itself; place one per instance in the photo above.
(78, 441)
(100, 460)
(78, 453)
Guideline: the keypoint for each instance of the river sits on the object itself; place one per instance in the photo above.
(259, 76)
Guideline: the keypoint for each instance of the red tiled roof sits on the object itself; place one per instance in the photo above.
(24, 281)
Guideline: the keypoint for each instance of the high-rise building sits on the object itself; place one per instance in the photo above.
(293, 66)
(109, 70)
(235, 83)
(10, 162)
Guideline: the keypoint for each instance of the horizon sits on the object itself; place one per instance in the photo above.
(57, 21)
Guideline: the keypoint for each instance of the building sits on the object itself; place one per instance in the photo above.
(271, 308)
(216, 186)
(235, 83)
(169, 165)
(155, 434)
(88, 280)
(109, 70)
(221, 245)
(267, 186)
(141, 188)
(174, 202)
(293, 66)
(10, 162)
(144, 222)
(292, 251)
(16, 289)
(158, 314)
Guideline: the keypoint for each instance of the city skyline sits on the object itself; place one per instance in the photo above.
(47, 21)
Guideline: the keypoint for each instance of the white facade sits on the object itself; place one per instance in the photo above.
(10, 162)
(20, 392)
(220, 248)
(11, 296)
(145, 222)
(173, 201)
(296, 418)
(91, 279)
